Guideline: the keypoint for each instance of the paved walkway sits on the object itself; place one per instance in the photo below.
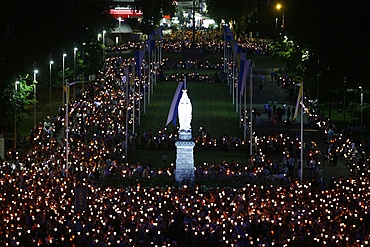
(266, 126)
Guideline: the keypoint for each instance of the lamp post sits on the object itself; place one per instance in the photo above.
(34, 95)
(104, 46)
(15, 115)
(118, 39)
(279, 7)
(83, 62)
(74, 63)
(66, 128)
(362, 99)
(74, 68)
(276, 24)
(50, 64)
(67, 124)
(64, 61)
(83, 65)
(104, 32)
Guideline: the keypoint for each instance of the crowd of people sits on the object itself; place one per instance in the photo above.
(211, 42)
(46, 202)
(39, 208)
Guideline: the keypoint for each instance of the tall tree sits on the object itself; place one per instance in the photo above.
(153, 11)
(239, 13)
(16, 97)
(334, 32)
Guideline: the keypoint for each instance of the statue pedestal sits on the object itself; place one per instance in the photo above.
(185, 161)
(184, 173)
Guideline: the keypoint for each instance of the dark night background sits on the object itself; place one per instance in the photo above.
(334, 31)
(34, 30)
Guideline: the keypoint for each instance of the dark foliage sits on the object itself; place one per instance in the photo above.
(153, 11)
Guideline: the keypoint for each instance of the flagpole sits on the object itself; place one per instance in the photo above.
(144, 98)
(66, 128)
(245, 114)
(224, 53)
(242, 89)
(159, 56)
(236, 97)
(230, 77)
(133, 96)
(144, 78)
(144, 74)
(250, 109)
(238, 84)
(149, 74)
(302, 105)
(240, 110)
(126, 80)
(229, 70)
(133, 109)
(228, 55)
(233, 84)
(139, 111)
(138, 90)
(155, 62)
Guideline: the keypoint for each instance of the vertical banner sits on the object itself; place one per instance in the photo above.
(172, 114)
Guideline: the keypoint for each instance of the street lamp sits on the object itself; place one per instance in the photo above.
(64, 61)
(279, 7)
(276, 22)
(15, 115)
(67, 124)
(118, 38)
(104, 46)
(104, 32)
(362, 99)
(74, 63)
(66, 127)
(83, 62)
(34, 95)
(74, 68)
(50, 64)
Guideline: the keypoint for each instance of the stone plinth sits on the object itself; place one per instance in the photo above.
(185, 135)
(184, 161)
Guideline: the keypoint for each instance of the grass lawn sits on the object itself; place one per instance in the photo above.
(212, 110)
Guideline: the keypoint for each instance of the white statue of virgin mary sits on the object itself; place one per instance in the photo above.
(185, 112)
